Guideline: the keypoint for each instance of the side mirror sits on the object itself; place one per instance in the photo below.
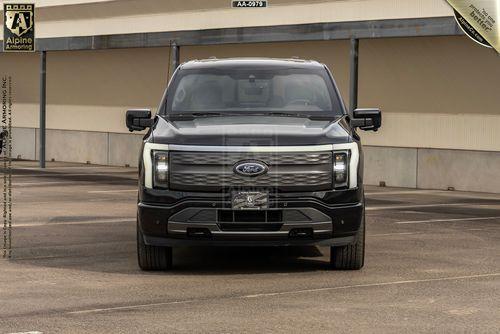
(138, 119)
(3, 135)
(367, 119)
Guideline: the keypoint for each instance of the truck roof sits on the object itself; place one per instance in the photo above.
(251, 63)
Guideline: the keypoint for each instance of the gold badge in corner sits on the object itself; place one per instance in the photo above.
(19, 27)
(479, 20)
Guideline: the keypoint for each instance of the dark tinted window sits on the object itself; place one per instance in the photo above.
(254, 91)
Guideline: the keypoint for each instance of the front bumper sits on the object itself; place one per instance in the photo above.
(290, 221)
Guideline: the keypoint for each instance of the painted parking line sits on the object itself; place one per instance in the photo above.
(55, 174)
(38, 183)
(446, 220)
(80, 182)
(101, 221)
(83, 167)
(403, 192)
(131, 307)
(290, 292)
(391, 234)
(112, 191)
(47, 175)
(425, 280)
(416, 206)
(441, 193)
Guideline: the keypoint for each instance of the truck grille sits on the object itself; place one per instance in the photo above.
(213, 171)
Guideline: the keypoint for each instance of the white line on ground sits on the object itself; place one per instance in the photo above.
(101, 221)
(445, 220)
(55, 174)
(388, 234)
(415, 206)
(402, 192)
(48, 175)
(15, 184)
(111, 191)
(87, 167)
(138, 306)
(130, 307)
(425, 280)
(445, 193)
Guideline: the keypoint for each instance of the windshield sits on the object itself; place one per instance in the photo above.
(234, 91)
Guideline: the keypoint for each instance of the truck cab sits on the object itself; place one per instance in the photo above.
(251, 152)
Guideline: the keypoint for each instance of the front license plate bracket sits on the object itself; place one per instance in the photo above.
(250, 200)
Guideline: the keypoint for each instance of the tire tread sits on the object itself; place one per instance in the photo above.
(350, 257)
(152, 257)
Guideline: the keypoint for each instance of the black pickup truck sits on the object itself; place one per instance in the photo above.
(251, 152)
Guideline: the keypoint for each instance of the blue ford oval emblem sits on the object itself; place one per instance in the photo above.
(250, 168)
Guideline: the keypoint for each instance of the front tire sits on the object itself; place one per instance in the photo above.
(350, 257)
(152, 257)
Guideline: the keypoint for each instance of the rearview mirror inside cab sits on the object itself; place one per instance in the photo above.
(138, 119)
(367, 119)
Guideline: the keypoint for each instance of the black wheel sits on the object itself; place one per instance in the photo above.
(152, 257)
(350, 257)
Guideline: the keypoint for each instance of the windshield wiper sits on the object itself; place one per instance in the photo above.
(311, 117)
(193, 115)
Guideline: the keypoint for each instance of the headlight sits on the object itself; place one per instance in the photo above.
(160, 169)
(340, 169)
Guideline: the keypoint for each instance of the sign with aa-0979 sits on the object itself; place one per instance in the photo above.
(249, 4)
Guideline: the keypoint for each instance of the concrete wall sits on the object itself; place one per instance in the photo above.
(423, 86)
(393, 165)
(396, 166)
(24, 70)
(433, 168)
(430, 96)
(439, 92)
(24, 143)
(102, 148)
(91, 90)
(87, 90)
(462, 170)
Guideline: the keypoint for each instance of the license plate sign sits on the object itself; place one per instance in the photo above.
(250, 200)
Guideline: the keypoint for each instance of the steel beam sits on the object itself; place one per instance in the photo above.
(174, 55)
(353, 78)
(43, 104)
(434, 26)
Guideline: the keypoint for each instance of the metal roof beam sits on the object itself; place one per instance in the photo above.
(436, 26)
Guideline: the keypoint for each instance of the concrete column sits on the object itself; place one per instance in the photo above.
(353, 81)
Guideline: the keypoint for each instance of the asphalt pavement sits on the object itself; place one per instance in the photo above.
(432, 266)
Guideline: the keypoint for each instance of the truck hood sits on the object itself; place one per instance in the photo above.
(251, 130)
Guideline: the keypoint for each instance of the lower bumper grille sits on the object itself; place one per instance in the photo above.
(248, 216)
(250, 227)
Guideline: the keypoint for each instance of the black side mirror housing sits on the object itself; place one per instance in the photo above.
(3, 136)
(138, 119)
(367, 119)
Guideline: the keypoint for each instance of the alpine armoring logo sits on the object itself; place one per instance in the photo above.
(19, 27)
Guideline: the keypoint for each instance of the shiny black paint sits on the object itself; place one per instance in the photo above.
(153, 218)
(345, 206)
(251, 131)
